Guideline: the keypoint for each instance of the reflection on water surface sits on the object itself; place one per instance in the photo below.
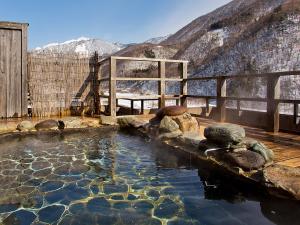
(96, 177)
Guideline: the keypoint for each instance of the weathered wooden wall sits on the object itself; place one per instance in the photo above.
(13, 72)
(61, 84)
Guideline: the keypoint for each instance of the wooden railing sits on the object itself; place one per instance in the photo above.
(272, 99)
(161, 79)
(273, 96)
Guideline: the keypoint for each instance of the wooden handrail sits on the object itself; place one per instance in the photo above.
(141, 59)
(146, 79)
(285, 73)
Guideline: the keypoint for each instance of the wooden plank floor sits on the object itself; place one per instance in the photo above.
(286, 146)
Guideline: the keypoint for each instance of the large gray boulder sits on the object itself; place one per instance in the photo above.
(186, 123)
(247, 160)
(50, 125)
(25, 126)
(283, 177)
(260, 148)
(131, 121)
(170, 111)
(108, 120)
(167, 124)
(224, 134)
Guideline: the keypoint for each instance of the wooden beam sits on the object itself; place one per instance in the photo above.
(183, 84)
(285, 73)
(24, 82)
(145, 79)
(13, 25)
(112, 87)
(96, 84)
(142, 107)
(221, 101)
(162, 83)
(148, 59)
(207, 105)
(131, 106)
(273, 93)
(296, 112)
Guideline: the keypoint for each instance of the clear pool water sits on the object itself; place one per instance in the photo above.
(108, 177)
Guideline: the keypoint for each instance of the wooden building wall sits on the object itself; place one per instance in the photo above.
(13, 69)
(61, 84)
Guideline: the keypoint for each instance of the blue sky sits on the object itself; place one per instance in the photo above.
(125, 21)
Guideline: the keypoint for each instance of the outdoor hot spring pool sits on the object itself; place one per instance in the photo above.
(108, 177)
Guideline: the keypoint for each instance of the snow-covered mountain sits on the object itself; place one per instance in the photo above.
(83, 46)
(243, 36)
(157, 40)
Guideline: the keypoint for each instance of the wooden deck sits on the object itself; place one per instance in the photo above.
(286, 146)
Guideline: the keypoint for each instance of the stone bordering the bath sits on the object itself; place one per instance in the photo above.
(227, 143)
(170, 111)
(258, 147)
(50, 124)
(257, 177)
(225, 134)
(25, 126)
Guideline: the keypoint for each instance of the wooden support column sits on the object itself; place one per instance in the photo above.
(207, 106)
(131, 106)
(24, 81)
(221, 102)
(296, 112)
(162, 83)
(96, 84)
(112, 87)
(142, 107)
(183, 91)
(273, 93)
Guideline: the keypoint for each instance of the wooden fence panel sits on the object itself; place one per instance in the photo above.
(61, 84)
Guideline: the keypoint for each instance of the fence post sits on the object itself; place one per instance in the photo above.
(142, 106)
(162, 83)
(112, 86)
(273, 93)
(96, 84)
(296, 112)
(221, 102)
(183, 88)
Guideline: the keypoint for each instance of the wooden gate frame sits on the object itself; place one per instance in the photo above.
(23, 27)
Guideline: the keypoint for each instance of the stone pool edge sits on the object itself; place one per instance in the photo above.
(255, 177)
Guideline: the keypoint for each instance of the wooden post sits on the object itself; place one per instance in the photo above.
(24, 85)
(221, 102)
(131, 106)
(112, 86)
(273, 93)
(162, 83)
(238, 105)
(296, 112)
(142, 107)
(183, 85)
(96, 84)
(207, 106)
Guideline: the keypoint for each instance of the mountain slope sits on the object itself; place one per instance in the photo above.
(244, 36)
